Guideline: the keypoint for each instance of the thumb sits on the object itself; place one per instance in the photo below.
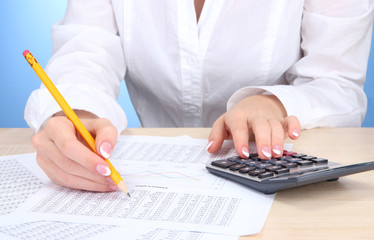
(105, 134)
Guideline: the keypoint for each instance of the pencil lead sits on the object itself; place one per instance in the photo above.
(128, 194)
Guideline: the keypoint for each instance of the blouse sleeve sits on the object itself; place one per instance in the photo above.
(87, 65)
(326, 85)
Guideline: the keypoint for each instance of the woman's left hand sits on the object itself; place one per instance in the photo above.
(261, 115)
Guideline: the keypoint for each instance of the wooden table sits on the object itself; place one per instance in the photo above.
(328, 210)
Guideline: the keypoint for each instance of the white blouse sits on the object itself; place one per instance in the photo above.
(311, 54)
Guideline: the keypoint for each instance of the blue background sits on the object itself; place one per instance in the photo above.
(26, 24)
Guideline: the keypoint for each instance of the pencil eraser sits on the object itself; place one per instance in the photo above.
(26, 52)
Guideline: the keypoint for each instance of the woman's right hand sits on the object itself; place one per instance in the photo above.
(66, 159)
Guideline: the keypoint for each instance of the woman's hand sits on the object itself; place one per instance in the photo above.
(262, 115)
(66, 159)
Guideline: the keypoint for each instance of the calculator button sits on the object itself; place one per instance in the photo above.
(285, 158)
(290, 165)
(299, 155)
(305, 163)
(251, 163)
(236, 167)
(256, 172)
(263, 165)
(266, 161)
(246, 169)
(253, 155)
(265, 175)
(282, 170)
(273, 160)
(241, 161)
(309, 157)
(223, 163)
(233, 159)
(279, 163)
(273, 168)
(294, 160)
(320, 160)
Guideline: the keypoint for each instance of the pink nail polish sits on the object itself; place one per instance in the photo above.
(266, 151)
(209, 145)
(295, 132)
(105, 149)
(103, 170)
(245, 151)
(277, 150)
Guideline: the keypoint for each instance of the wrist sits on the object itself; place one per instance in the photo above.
(265, 105)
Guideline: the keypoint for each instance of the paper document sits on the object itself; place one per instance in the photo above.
(82, 231)
(171, 193)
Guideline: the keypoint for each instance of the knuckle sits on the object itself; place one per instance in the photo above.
(274, 122)
(259, 122)
(293, 119)
(55, 122)
(216, 124)
(52, 122)
(66, 146)
(36, 141)
(102, 122)
(112, 130)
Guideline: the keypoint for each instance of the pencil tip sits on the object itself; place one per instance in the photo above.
(123, 187)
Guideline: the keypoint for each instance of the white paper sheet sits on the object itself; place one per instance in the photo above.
(18, 169)
(170, 189)
(47, 230)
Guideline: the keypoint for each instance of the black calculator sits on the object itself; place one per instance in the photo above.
(291, 170)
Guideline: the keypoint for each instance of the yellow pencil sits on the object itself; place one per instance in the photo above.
(117, 179)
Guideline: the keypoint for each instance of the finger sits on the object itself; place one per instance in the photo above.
(62, 133)
(277, 136)
(262, 131)
(105, 134)
(240, 135)
(292, 127)
(58, 176)
(51, 152)
(48, 150)
(217, 135)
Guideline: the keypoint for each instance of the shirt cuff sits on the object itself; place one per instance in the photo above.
(41, 105)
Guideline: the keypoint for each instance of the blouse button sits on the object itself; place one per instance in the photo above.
(190, 108)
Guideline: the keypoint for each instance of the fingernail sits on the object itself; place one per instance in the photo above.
(105, 149)
(295, 132)
(277, 150)
(266, 152)
(209, 145)
(245, 151)
(103, 170)
(113, 187)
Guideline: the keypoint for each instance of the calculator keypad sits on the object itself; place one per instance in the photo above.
(290, 162)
